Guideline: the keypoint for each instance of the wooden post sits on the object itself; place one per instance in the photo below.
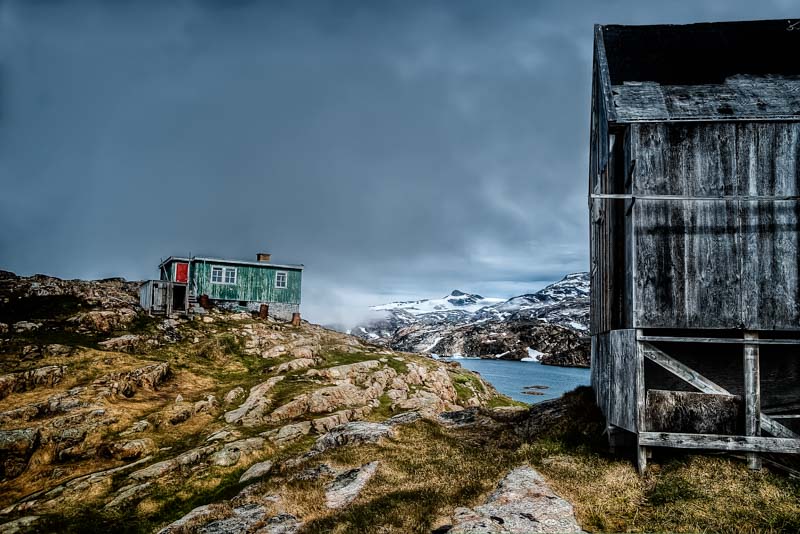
(641, 399)
(752, 396)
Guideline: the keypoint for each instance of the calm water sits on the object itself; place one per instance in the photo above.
(511, 377)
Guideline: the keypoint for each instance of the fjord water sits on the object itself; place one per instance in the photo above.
(511, 378)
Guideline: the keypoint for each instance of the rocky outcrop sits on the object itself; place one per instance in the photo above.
(103, 321)
(113, 430)
(289, 433)
(256, 471)
(16, 447)
(232, 452)
(49, 375)
(353, 434)
(522, 503)
(126, 383)
(131, 343)
(346, 487)
(500, 340)
(256, 405)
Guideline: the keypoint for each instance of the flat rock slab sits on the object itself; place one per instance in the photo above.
(353, 434)
(404, 418)
(256, 471)
(346, 487)
(522, 503)
(240, 521)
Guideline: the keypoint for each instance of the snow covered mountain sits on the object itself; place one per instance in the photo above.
(554, 319)
(455, 301)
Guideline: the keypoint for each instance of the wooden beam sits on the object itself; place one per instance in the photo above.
(720, 442)
(744, 198)
(721, 340)
(682, 371)
(752, 396)
(705, 385)
(641, 399)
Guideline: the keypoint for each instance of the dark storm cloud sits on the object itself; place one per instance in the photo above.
(394, 148)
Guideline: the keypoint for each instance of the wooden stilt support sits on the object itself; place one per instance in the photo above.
(641, 399)
(752, 396)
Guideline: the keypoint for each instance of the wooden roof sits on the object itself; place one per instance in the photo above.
(700, 72)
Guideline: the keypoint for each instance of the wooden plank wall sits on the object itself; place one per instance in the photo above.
(609, 164)
(768, 163)
(716, 264)
(614, 370)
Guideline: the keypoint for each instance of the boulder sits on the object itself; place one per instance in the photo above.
(282, 523)
(256, 404)
(459, 417)
(289, 433)
(205, 405)
(103, 321)
(324, 424)
(178, 413)
(353, 434)
(329, 399)
(241, 520)
(404, 418)
(315, 473)
(346, 487)
(158, 469)
(197, 514)
(356, 372)
(294, 365)
(234, 395)
(16, 447)
(132, 449)
(522, 503)
(48, 375)
(127, 382)
(128, 343)
(232, 452)
(256, 471)
(128, 494)
(138, 426)
(26, 326)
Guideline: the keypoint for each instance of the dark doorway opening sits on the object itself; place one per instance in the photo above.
(179, 298)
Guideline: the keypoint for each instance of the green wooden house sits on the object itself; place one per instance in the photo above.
(185, 283)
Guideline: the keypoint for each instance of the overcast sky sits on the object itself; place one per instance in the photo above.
(397, 149)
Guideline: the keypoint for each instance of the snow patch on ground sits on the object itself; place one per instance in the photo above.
(533, 355)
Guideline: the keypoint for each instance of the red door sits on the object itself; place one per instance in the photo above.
(182, 273)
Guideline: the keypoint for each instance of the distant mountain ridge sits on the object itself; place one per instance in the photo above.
(548, 325)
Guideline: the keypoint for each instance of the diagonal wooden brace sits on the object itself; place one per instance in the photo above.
(704, 385)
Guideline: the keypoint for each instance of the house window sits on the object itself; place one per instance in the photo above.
(223, 275)
(280, 280)
(230, 275)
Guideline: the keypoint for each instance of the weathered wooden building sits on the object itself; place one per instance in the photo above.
(233, 284)
(695, 235)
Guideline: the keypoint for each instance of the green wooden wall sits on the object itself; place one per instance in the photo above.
(253, 283)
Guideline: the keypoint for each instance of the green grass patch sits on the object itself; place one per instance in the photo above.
(336, 358)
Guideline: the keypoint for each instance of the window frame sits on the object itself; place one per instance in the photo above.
(285, 279)
(221, 271)
(224, 272)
